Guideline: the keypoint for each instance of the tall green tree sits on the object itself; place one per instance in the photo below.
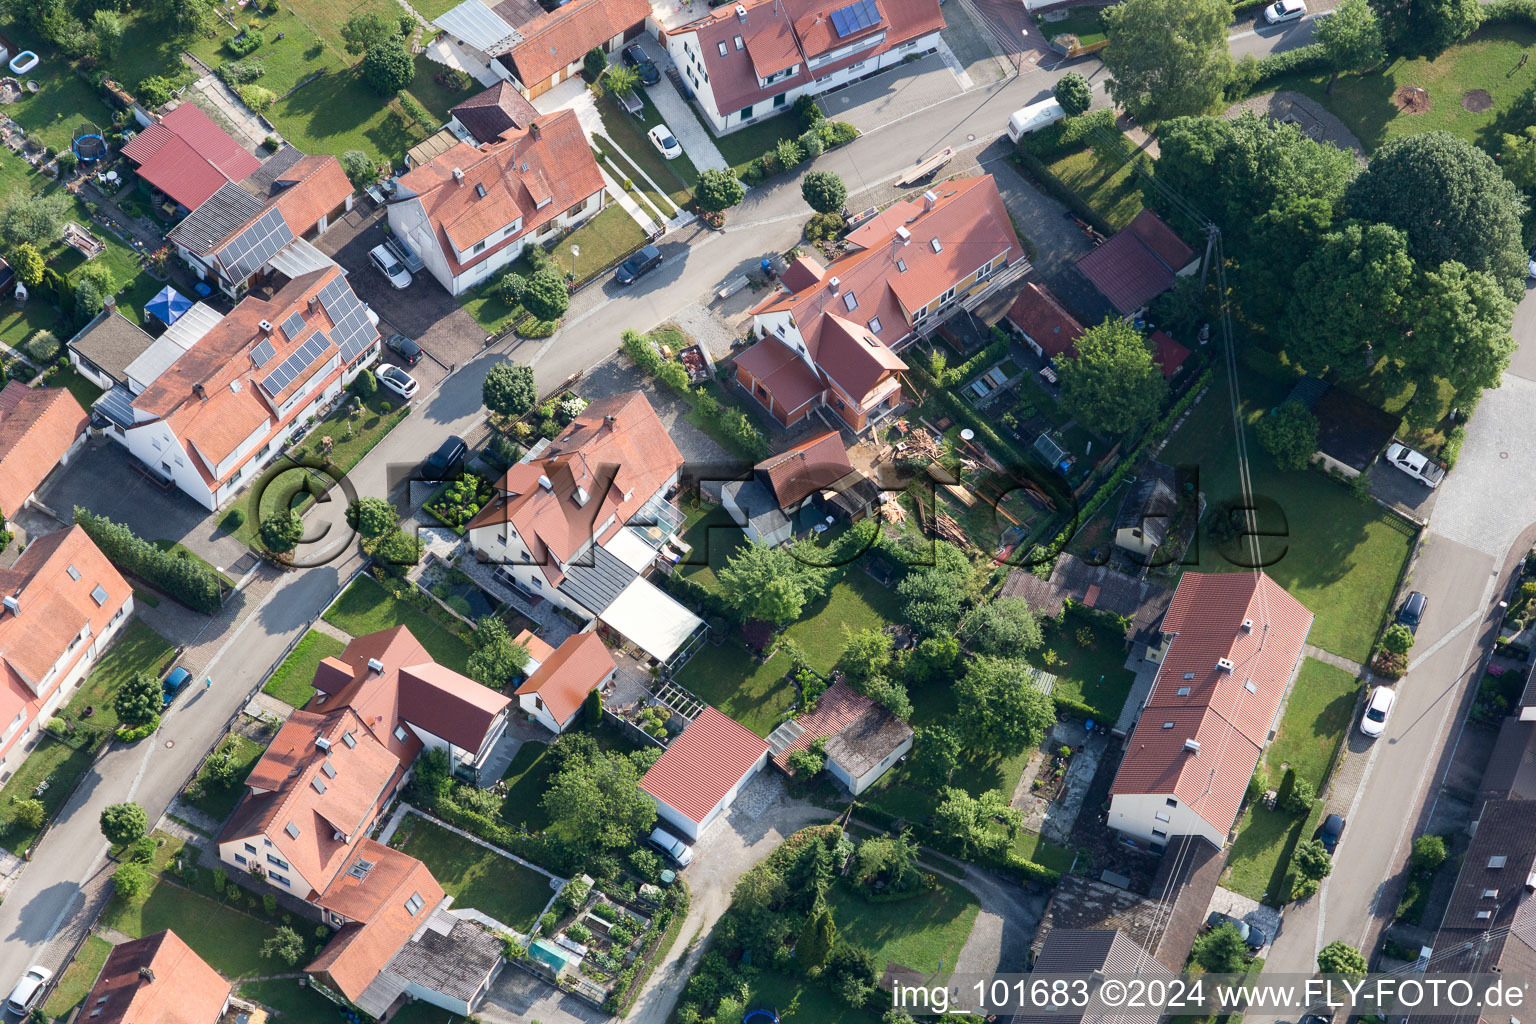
(1350, 38)
(1112, 383)
(107, 32)
(936, 592)
(387, 67)
(509, 389)
(596, 805)
(282, 530)
(935, 755)
(1074, 94)
(718, 191)
(772, 584)
(1350, 293)
(823, 191)
(866, 652)
(497, 659)
(816, 939)
(1001, 710)
(124, 823)
(371, 517)
(1461, 334)
(1517, 157)
(1425, 28)
(1167, 57)
(547, 296)
(1313, 860)
(1339, 957)
(1005, 628)
(1289, 433)
(138, 700)
(983, 824)
(363, 32)
(1452, 202)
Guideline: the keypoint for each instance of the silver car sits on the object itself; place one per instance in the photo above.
(680, 852)
(390, 266)
(1285, 10)
(28, 991)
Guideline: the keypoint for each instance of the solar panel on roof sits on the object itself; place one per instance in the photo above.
(248, 251)
(293, 325)
(294, 366)
(354, 332)
(856, 17)
(262, 353)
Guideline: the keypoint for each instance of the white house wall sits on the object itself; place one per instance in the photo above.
(863, 782)
(1136, 815)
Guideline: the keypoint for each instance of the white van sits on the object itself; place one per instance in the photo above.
(1034, 117)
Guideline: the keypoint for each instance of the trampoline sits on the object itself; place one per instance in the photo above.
(761, 1017)
(89, 145)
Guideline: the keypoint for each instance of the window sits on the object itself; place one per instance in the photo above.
(723, 50)
(292, 830)
(99, 595)
(918, 315)
(349, 739)
(901, 266)
(745, 112)
(277, 861)
(874, 325)
(949, 293)
(1171, 802)
(329, 769)
(1162, 816)
(240, 860)
(780, 99)
(479, 246)
(74, 573)
(400, 733)
(1160, 833)
(318, 783)
(1248, 685)
(249, 848)
(414, 904)
(1189, 675)
(1167, 725)
(850, 301)
(1182, 691)
(280, 880)
(739, 43)
(1497, 861)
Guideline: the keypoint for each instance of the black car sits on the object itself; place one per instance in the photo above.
(1252, 937)
(408, 351)
(636, 58)
(1330, 831)
(638, 265)
(1412, 611)
(448, 461)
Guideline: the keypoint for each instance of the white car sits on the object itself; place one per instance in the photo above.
(1285, 10)
(680, 852)
(400, 382)
(28, 991)
(390, 266)
(666, 145)
(1374, 721)
(1415, 464)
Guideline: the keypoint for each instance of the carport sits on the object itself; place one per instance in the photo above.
(653, 621)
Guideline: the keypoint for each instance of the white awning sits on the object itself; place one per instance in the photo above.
(478, 26)
(632, 549)
(187, 331)
(650, 619)
(298, 258)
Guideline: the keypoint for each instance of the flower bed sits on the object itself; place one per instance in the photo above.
(459, 501)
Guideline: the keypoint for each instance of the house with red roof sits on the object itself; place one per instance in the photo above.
(833, 341)
(535, 49)
(156, 980)
(799, 488)
(582, 520)
(251, 228)
(702, 771)
(752, 60)
(1043, 322)
(186, 157)
(1231, 644)
(397, 939)
(560, 678)
(63, 604)
(40, 428)
(1138, 263)
(472, 210)
(211, 401)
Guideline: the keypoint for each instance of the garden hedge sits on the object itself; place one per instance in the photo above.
(191, 581)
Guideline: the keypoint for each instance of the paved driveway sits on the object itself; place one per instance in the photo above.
(102, 479)
(423, 312)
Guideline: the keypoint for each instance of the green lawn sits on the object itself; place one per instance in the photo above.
(1094, 672)
(476, 877)
(63, 102)
(366, 608)
(1086, 23)
(527, 778)
(713, 537)
(924, 933)
(627, 132)
(1032, 847)
(606, 238)
(744, 145)
(755, 693)
(1105, 183)
(84, 391)
(436, 97)
(1261, 854)
(1320, 710)
(297, 1003)
(1488, 61)
(1338, 556)
(138, 648)
(291, 682)
(218, 802)
(800, 1001)
(339, 112)
(663, 205)
(228, 939)
(79, 977)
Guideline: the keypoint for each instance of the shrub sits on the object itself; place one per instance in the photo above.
(1397, 639)
(823, 191)
(1428, 854)
(191, 581)
(824, 227)
(547, 297)
(513, 286)
(812, 143)
(1299, 800)
(1073, 93)
(156, 91)
(239, 72)
(245, 43)
(43, 347)
(843, 132)
(132, 881)
(257, 97)
(718, 190)
(807, 111)
(388, 68)
(594, 63)
(29, 813)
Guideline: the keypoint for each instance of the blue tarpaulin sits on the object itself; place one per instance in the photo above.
(168, 306)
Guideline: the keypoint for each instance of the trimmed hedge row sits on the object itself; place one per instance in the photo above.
(1508, 10)
(1250, 75)
(191, 581)
(956, 375)
(1069, 135)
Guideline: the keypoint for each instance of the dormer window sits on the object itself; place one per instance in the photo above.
(723, 50)
(414, 904)
(739, 43)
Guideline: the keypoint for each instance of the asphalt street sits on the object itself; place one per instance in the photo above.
(700, 261)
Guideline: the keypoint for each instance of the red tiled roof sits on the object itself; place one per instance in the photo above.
(436, 698)
(1037, 313)
(698, 769)
(617, 451)
(575, 669)
(499, 109)
(839, 707)
(778, 34)
(379, 907)
(559, 166)
(538, 650)
(37, 428)
(783, 373)
(563, 36)
(1229, 720)
(1170, 355)
(310, 189)
(156, 980)
(805, 271)
(808, 467)
(187, 156)
(1136, 264)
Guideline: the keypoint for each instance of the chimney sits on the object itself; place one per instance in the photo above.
(544, 483)
(147, 973)
(1530, 882)
(12, 605)
(1247, 625)
(200, 391)
(265, 326)
(322, 743)
(835, 284)
(534, 131)
(929, 199)
(611, 421)
(904, 235)
(1192, 746)
(1224, 664)
(741, 14)
(458, 175)
(314, 303)
(109, 303)
(375, 665)
(582, 497)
